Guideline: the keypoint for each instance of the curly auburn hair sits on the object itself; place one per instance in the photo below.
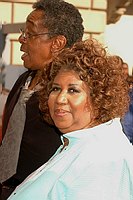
(102, 73)
(61, 18)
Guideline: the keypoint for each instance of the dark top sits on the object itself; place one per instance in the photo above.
(39, 141)
(127, 121)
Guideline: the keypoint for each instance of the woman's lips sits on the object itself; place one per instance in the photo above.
(61, 113)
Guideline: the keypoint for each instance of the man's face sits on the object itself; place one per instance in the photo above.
(37, 48)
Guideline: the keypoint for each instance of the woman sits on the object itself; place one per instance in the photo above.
(86, 94)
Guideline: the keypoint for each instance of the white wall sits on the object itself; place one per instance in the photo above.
(119, 39)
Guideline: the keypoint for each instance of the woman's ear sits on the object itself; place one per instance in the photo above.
(58, 44)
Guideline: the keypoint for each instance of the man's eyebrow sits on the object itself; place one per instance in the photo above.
(30, 21)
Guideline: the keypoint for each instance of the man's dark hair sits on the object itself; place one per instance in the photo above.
(61, 18)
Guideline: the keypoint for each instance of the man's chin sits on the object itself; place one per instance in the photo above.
(27, 67)
(31, 67)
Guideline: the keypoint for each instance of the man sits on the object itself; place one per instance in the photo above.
(50, 27)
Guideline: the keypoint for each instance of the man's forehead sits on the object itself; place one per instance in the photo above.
(36, 19)
(35, 15)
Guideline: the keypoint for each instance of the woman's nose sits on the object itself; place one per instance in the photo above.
(62, 98)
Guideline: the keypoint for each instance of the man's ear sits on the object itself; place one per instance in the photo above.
(59, 42)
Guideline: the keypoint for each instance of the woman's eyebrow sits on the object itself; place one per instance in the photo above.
(70, 84)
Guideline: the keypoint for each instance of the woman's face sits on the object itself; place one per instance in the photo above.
(69, 102)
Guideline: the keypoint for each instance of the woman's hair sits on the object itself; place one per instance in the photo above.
(102, 73)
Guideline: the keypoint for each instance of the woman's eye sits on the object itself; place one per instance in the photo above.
(54, 89)
(73, 90)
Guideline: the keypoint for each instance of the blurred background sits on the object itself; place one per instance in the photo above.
(109, 21)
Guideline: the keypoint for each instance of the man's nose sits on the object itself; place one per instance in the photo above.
(21, 39)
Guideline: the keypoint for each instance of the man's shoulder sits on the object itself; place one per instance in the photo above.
(18, 84)
(24, 74)
(22, 78)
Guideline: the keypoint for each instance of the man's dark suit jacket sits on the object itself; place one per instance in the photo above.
(39, 141)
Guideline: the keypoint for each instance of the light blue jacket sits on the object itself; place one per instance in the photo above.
(97, 164)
